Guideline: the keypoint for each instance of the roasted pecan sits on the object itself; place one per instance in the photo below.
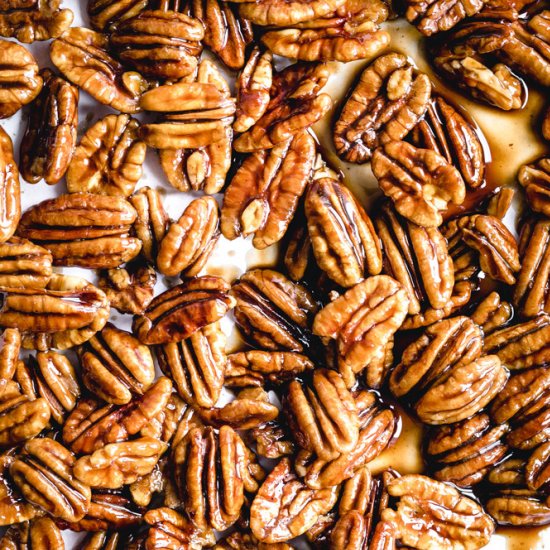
(188, 243)
(66, 313)
(145, 487)
(387, 102)
(92, 425)
(82, 56)
(10, 344)
(108, 159)
(298, 254)
(196, 365)
(24, 264)
(342, 236)
(272, 311)
(362, 321)
(160, 44)
(443, 518)
(49, 141)
(182, 310)
(295, 105)
(39, 534)
(105, 14)
(272, 440)
(43, 474)
(83, 229)
(492, 313)
(22, 419)
(500, 202)
(10, 198)
(535, 178)
(536, 469)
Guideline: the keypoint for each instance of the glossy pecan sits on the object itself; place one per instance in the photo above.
(536, 468)
(492, 313)
(10, 344)
(40, 534)
(21, 418)
(24, 264)
(272, 440)
(105, 14)
(387, 102)
(10, 198)
(535, 179)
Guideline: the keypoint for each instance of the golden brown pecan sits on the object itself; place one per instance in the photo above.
(431, 514)
(182, 310)
(22, 419)
(160, 44)
(83, 229)
(465, 259)
(362, 321)
(212, 473)
(92, 424)
(463, 453)
(295, 105)
(298, 255)
(387, 102)
(420, 182)
(10, 344)
(247, 541)
(38, 534)
(105, 14)
(146, 487)
(272, 440)
(66, 313)
(352, 531)
(10, 198)
(253, 87)
(188, 243)
(263, 195)
(492, 313)
(500, 202)
(535, 178)
(536, 469)
(108, 159)
(196, 365)
(129, 289)
(152, 221)
(43, 474)
(273, 311)
(342, 236)
(24, 264)
(82, 57)
(20, 82)
(49, 141)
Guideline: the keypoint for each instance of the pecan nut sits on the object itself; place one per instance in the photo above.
(492, 313)
(536, 468)
(10, 344)
(535, 178)
(10, 195)
(24, 264)
(546, 125)
(22, 419)
(105, 14)
(41, 533)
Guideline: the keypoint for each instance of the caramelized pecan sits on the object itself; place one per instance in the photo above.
(536, 469)
(10, 197)
(24, 264)
(10, 344)
(21, 418)
(492, 313)
(105, 14)
(535, 178)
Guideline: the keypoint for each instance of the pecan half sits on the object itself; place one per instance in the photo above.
(105, 14)
(536, 469)
(21, 419)
(40, 533)
(10, 344)
(24, 264)
(535, 178)
(10, 197)
(387, 102)
(108, 159)
(492, 313)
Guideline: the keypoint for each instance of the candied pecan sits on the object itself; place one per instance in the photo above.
(21, 419)
(10, 344)
(273, 311)
(263, 195)
(295, 105)
(152, 221)
(92, 425)
(298, 256)
(500, 202)
(182, 310)
(40, 534)
(105, 14)
(43, 474)
(66, 313)
(129, 289)
(535, 178)
(362, 321)
(160, 44)
(492, 313)
(144, 488)
(82, 57)
(342, 236)
(536, 469)
(196, 365)
(24, 264)
(272, 440)
(188, 243)
(10, 198)
(108, 159)
(49, 141)
(284, 507)
(431, 514)
(387, 102)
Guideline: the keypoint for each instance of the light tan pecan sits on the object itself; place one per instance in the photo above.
(152, 221)
(196, 365)
(492, 313)
(24, 264)
(10, 344)
(296, 104)
(108, 159)
(82, 57)
(284, 507)
(263, 195)
(535, 179)
(83, 229)
(188, 243)
(21, 418)
(49, 141)
(10, 197)
(105, 14)
(40, 534)
(92, 424)
(66, 313)
(160, 44)
(536, 468)
(387, 102)
(182, 310)
(273, 311)
(362, 321)
(443, 517)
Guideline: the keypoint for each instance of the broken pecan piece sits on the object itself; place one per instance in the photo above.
(492, 313)
(535, 178)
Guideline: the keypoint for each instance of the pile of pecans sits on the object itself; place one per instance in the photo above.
(432, 306)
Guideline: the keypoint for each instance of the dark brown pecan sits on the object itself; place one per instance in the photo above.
(196, 365)
(284, 507)
(82, 57)
(188, 243)
(546, 125)
(160, 44)
(536, 468)
(10, 344)
(38, 534)
(295, 105)
(105, 14)
(492, 313)
(21, 419)
(10, 197)
(108, 159)
(263, 195)
(92, 425)
(24, 264)
(463, 453)
(342, 236)
(535, 178)
(182, 310)
(387, 102)
(50, 138)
